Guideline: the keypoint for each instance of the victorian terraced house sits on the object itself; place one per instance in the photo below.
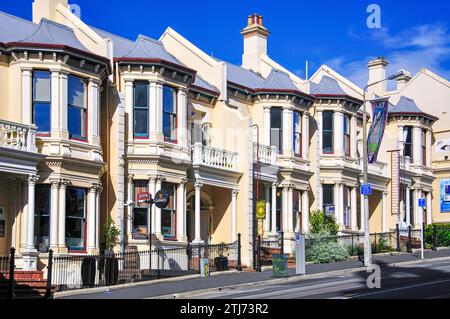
(90, 120)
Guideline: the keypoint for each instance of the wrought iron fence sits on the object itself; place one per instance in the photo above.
(88, 271)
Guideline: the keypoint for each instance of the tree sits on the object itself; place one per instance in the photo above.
(111, 234)
(321, 222)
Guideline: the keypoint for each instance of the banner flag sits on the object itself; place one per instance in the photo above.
(376, 132)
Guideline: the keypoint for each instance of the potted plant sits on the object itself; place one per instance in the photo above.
(221, 262)
(111, 266)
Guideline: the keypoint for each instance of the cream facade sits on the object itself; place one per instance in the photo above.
(91, 121)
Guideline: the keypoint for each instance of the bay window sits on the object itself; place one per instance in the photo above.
(140, 109)
(327, 132)
(297, 138)
(169, 114)
(346, 135)
(408, 146)
(168, 214)
(41, 109)
(77, 107)
(328, 199)
(42, 218)
(140, 212)
(276, 126)
(76, 218)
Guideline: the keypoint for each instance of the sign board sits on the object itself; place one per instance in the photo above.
(444, 195)
(261, 209)
(279, 265)
(366, 189)
(161, 199)
(204, 267)
(422, 202)
(144, 197)
(329, 210)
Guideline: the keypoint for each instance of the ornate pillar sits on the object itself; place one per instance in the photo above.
(354, 209)
(197, 238)
(30, 253)
(54, 214)
(267, 125)
(158, 232)
(182, 117)
(290, 212)
(98, 192)
(55, 106)
(353, 137)
(305, 136)
(129, 107)
(417, 142)
(285, 209)
(337, 206)
(274, 210)
(305, 211)
(130, 199)
(26, 96)
(408, 205)
(91, 220)
(62, 217)
(384, 212)
(181, 211)
(338, 133)
(341, 204)
(234, 193)
(267, 198)
(64, 102)
(93, 109)
(429, 151)
(287, 131)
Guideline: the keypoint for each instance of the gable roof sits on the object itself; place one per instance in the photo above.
(407, 106)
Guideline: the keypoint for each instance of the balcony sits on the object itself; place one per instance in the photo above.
(17, 136)
(265, 154)
(214, 157)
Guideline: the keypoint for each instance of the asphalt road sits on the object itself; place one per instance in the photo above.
(418, 281)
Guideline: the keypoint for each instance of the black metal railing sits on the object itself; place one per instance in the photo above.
(88, 271)
(7, 270)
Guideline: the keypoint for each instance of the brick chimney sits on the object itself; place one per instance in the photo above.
(377, 72)
(46, 9)
(255, 42)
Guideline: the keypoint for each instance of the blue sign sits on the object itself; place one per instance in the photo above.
(422, 202)
(445, 195)
(366, 189)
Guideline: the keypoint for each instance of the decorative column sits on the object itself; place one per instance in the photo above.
(158, 232)
(130, 199)
(320, 130)
(429, 209)
(338, 133)
(353, 137)
(353, 209)
(341, 204)
(97, 218)
(285, 209)
(267, 125)
(159, 112)
(384, 212)
(429, 151)
(62, 217)
(416, 207)
(274, 210)
(182, 117)
(267, 198)
(30, 253)
(234, 193)
(305, 136)
(337, 206)
(197, 238)
(91, 221)
(401, 139)
(287, 131)
(290, 212)
(305, 211)
(55, 108)
(26, 95)
(64, 103)
(417, 142)
(93, 109)
(129, 106)
(151, 218)
(181, 211)
(54, 214)
(408, 205)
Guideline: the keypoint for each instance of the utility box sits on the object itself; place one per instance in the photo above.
(300, 254)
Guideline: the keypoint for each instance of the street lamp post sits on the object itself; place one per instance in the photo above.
(367, 245)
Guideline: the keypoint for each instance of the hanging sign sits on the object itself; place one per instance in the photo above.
(380, 113)
(261, 209)
(161, 199)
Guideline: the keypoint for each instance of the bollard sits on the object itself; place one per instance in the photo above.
(239, 265)
(409, 239)
(258, 258)
(48, 290)
(397, 229)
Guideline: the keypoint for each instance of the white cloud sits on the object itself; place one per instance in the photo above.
(422, 46)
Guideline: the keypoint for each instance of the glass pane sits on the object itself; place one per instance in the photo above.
(171, 189)
(75, 202)
(41, 116)
(328, 195)
(347, 145)
(77, 122)
(141, 94)
(275, 118)
(77, 91)
(327, 142)
(139, 187)
(328, 120)
(140, 230)
(346, 126)
(168, 223)
(297, 145)
(42, 218)
(75, 233)
(275, 138)
(140, 121)
(169, 99)
(166, 125)
(41, 86)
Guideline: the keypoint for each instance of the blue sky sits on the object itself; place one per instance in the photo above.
(414, 33)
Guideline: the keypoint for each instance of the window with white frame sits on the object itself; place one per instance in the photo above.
(347, 207)
(140, 109)
(297, 131)
(327, 132)
(42, 218)
(276, 126)
(328, 199)
(408, 142)
(423, 146)
(76, 218)
(77, 107)
(41, 111)
(169, 214)
(346, 135)
(169, 113)
(140, 211)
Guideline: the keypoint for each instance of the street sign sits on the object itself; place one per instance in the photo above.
(422, 202)
(366, 189)
(161, 199)
(144, 197)
(261, 209)
(329, 210)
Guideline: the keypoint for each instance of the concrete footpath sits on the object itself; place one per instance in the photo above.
(179, 285)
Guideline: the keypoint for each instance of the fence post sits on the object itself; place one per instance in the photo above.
(282, 242)
(434, 237)
(424, 225)
(258, 258)
(158, 271)
(48, 291)
(199, 256)
(397, 229)
(239, 265)
(12, 265)
(409, 239)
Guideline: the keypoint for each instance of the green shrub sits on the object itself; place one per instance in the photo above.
(111, 234)
(443, 235)
(319, 221)
(323, 248)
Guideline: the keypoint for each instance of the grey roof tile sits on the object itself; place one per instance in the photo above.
(279, 80)
(121, 45)
(14, 29)
(243, 76)
(201, 83)
(327, 85)
(405, 105)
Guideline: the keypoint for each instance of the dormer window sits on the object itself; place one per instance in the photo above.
(327, 132)
(41, 101)
(169, 114)
(297, 138)
(77, 108)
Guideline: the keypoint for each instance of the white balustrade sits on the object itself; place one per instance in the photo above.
(265, 154)
(17, 136)
(214, 157)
